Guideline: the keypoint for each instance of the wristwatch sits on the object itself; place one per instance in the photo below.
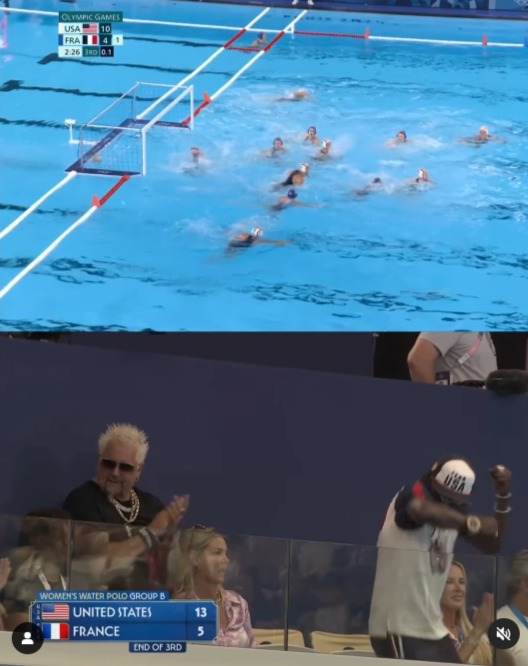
(473, 525)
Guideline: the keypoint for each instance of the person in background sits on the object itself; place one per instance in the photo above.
(470, 639)
(196, 155)
(415, 551)
(375, 185)
(38, 563)
(516, 610)
(261, 40)
(198, 572)
(324, 152)
(197, 162)
(288, 200)
(277, 148)
(5, 571)
(112, 498)
(311, 135)
(245, 240)
(421, 179)
(296, 96)
(399, 140)
(483, 136)
(450, 358)
(296, 176)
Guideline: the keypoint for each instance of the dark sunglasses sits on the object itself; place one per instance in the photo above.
(196, 528)
(112, 464)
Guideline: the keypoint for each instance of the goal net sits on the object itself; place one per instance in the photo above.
(114, 143)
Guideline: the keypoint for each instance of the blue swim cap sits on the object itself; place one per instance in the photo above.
(292, 194)
(260, 35)
(312, 127)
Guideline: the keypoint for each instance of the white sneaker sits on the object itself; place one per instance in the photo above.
(295, 2)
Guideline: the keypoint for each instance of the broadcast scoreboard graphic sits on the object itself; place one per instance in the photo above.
(149, 620)
(88, 34)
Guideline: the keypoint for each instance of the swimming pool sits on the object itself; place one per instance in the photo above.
(452, 257)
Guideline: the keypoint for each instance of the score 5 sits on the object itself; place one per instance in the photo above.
(201, 632)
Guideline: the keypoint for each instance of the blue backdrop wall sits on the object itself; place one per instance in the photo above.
(265, 451)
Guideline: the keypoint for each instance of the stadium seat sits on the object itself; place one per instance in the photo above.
(276, 637)
(323, 641)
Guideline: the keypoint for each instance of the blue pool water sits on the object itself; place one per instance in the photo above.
(454, 256)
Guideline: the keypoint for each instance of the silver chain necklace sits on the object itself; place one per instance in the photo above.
(122, 510)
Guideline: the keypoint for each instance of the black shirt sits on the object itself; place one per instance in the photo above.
(89, 503)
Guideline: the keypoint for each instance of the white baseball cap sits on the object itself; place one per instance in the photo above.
(454, 479)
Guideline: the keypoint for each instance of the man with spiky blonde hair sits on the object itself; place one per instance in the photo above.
(112, 496)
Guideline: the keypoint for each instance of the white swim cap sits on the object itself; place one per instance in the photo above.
(257, 231)
(484, 129)
(303, 168)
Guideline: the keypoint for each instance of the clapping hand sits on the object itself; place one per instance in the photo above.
(484, 615)
(171, 516)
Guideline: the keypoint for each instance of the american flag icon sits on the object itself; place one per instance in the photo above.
(55, 612)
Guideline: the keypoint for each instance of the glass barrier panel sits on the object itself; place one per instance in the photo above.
(247, 575)
(339, 594)
(38, 550)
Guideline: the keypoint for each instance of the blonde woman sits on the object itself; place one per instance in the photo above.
(470, 638)
(198, 570)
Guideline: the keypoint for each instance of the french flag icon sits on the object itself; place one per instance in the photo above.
(56, 631)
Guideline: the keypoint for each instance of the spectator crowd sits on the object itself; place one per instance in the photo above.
(109, 534)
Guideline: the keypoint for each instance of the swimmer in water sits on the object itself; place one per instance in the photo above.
(277, 149)
(375, 185)
(399, 140)
(196, 161)
(311, 134)
(196, 155)
(297, 176)
(422, 178)
(288, 200)
(296, 96)
(482, 137)
(260, 41)
(243, 241)
(324, 151)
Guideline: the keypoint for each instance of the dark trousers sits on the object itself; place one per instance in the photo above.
(416, 649)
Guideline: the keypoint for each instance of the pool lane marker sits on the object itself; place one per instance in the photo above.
(35, 205)
(349, 35)
(98, 202)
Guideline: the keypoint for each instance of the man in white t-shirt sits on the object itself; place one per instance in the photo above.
(517, 610)
(415, 551)
(448, 358)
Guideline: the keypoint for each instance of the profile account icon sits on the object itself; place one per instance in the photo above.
(27, 640)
